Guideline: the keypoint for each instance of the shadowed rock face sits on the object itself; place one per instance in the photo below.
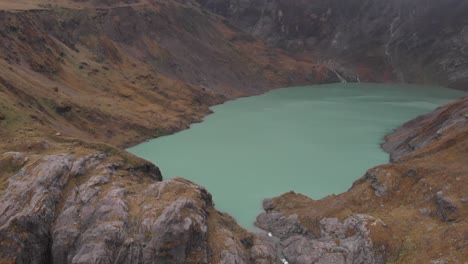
(421, 41)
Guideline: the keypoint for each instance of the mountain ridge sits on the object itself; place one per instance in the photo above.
(410, 41)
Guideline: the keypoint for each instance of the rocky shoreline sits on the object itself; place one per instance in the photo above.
(373, 220)
(110, 207)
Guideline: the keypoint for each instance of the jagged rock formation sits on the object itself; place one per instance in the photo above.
(413, 41)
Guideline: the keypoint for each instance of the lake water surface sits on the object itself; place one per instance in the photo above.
(315, 140)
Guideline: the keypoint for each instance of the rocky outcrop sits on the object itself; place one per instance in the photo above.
(419, 41)
(445, 207)
(332, 241)
(420, 132)
(96, 208)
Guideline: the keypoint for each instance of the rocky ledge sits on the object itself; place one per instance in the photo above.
(422, 131)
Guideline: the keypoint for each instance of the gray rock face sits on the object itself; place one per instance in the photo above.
(265, 250)
(29, 203)
(422, 131)
(445, 207)
(182, 229)
(94, 229)
(339, 242)
(268, 205)
(377, 179)
(89, 209)
(279, 225)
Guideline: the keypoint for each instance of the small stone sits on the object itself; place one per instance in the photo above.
(439, 195)
(438, 261)
(83, 65)
(379, 189)
(247, 242)
(63, 108)
(411, 173)
(445, 207)
(425, 211)
(268, 205)
(58, 134)
(280, 226)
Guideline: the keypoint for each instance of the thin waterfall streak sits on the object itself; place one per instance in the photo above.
(342, 80)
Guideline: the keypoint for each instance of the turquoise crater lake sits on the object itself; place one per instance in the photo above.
(315, 140)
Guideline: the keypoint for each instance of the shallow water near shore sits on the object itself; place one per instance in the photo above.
(314, 140)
